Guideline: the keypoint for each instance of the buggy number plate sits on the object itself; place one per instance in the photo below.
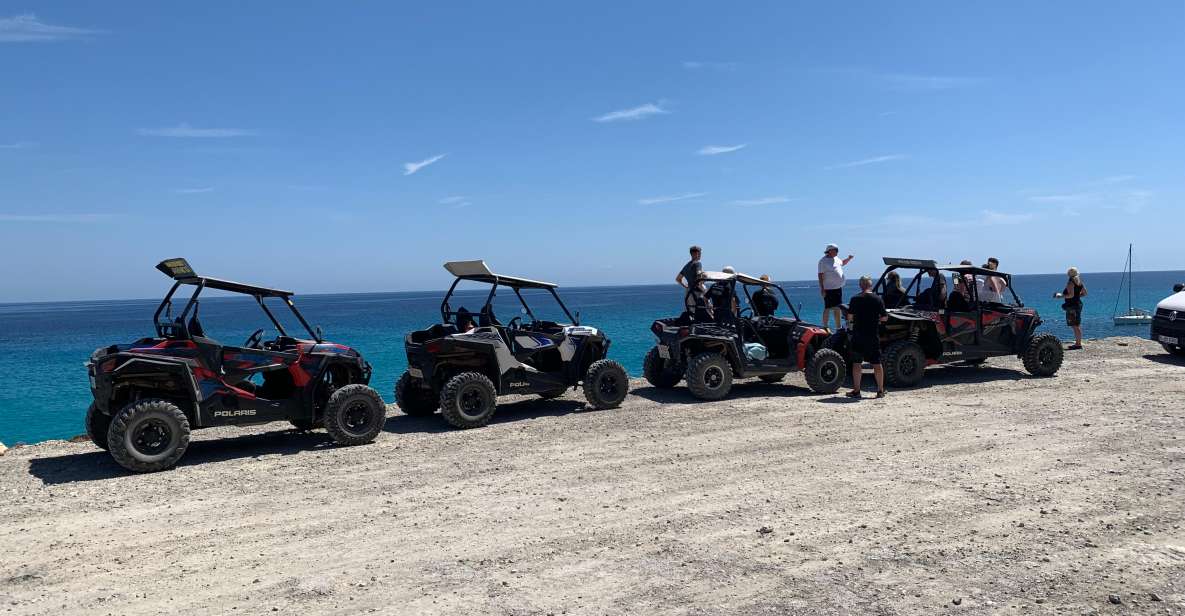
(415, 373)
(1167, 339)
(664, 352)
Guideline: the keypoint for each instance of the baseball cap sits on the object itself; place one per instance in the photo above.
(831, 247)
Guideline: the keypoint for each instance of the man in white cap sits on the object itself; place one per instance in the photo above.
(831, 282)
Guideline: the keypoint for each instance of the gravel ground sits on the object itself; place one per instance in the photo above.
(982, 491)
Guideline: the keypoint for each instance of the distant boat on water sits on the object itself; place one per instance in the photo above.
(1133, 315)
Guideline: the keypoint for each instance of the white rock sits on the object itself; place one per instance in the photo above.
(2, 449)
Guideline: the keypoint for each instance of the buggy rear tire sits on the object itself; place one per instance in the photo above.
(825, 371)
(709, 376)
(904, 363)
(660, 372)
(97, 425)
(355, 415)
(468, 400)
(606, 384)
(1174, 349)
(772, 378)
(413, 399)
(1043, 355)
(148, 435)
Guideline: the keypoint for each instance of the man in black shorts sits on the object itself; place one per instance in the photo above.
(831, 282)
(690, 277)
(866, 312)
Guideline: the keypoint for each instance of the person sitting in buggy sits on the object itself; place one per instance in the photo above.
(723, 298)
(894, 294)
(765, 303)
(934, 297)
(464, 320)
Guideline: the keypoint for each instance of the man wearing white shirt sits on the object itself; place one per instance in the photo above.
(831, 282)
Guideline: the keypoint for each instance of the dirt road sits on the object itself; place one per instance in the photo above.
(984, 491)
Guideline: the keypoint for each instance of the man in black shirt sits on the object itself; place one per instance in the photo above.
(722, 297)
(690, 278)
(765, 303)
(866, 312)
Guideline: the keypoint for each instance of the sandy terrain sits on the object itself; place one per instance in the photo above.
(984, 491)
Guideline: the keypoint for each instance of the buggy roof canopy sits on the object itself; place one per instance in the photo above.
(747, 279)
(179, 270)
(930, 264)
(710, 276)
(480, 272)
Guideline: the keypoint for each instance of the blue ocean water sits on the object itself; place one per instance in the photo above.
(43, 385)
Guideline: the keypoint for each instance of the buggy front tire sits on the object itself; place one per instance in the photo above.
(825, 371)
(660, 372)
(904, 363)
(413, 399)
(468, 400)
(606, 384)
(709, 376)
(97, 425)
(148, 435)
(355, 415)
(1043, 355)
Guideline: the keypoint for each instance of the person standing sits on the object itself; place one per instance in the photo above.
(1071, 296)
(831, 282)
(867, 312)
(690, 277)
(991, 288)
(765, 303)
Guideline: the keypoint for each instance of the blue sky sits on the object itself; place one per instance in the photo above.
(330, 148)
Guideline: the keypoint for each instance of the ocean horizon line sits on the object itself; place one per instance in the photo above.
(442, 290)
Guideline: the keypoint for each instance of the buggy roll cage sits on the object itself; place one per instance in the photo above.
(478, 271)
(692, 302)
(182, 274)
(929, 265)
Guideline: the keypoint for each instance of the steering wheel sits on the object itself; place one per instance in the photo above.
(515, 323)
(254, 339)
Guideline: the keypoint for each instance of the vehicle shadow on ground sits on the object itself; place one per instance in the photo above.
(757, 389)
(507, 412)
(1165, 358)
(97, 465)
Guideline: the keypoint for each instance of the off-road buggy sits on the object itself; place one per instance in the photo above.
(929, 327)
(462, 364)
(710, 350)
(149, 394)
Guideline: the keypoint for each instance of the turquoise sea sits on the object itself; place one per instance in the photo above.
(43, 385)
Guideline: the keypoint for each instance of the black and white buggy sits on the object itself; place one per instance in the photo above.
(462, 364)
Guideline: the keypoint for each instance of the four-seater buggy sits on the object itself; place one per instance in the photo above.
(710, 349)
(945, 321)
(149, 394)
(462, 364)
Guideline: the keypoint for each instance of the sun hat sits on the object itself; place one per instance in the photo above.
(831, 247)
(728, 270)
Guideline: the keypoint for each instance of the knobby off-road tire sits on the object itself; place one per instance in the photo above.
(904, 363)
(660, 372)
(772, 378)
(468, 400)
(355, 415)
(1043, 355)
(709, 376)
(1174, 349)
(606, 384)
(413, 399)
(97, 425)
(148, 435)
(825, 371)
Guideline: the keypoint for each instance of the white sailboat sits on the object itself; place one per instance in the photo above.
(1133, 315)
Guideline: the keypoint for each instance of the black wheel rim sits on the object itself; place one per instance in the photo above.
(152, 437)
(1045, 355)
(908, 365)
(713, 377)
(357, 417)
(472, 402)
(608, 385)
(828, 372)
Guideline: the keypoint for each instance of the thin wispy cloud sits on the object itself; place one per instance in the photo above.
(185, 131)
(909, 81)
(18, 145)
(455, 201)
(55, 218)
(640, 112)
(985, 218)
(712, 150)
(696, 65)
(992, 217)
(1115, 179)
(27, 28)
(1066, 198)
(868, 161)
(193, 191)
(761, 201)
(670, 198)
(410, 168)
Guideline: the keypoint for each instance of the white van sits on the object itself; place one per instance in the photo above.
(1168, 326)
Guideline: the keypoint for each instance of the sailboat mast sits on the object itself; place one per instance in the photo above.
(1131, 277)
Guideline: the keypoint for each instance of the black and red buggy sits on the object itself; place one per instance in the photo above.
(149, 395)
(940, 321)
